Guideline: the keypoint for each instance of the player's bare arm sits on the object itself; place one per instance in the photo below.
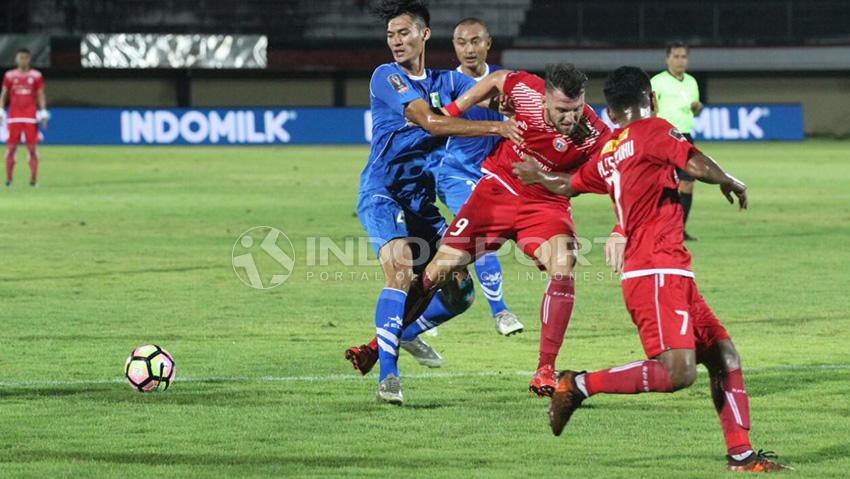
(437, 124)
(42, 105)
(529, 172)
(705, 169)
(3, 94)
(485, 93)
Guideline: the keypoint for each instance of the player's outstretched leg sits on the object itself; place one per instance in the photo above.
(10, 163)
(489, 273)
(555, 310)
(452, 299)
(455, 298)
(670, 371)
(33, 160)
(733, 408)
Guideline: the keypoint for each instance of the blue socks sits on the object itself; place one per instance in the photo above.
(435, 314)
(489, 273)
(388, 318)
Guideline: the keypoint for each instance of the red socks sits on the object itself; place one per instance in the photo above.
(733, 407)
(10, 161)
(33, 163)
(633, 378)
(555, 312)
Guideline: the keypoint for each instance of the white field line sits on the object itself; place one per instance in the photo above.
(355, 377)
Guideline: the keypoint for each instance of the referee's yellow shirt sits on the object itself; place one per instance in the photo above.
(674, 99)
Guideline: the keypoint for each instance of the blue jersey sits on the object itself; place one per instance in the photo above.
(462, 156)
(397, 160)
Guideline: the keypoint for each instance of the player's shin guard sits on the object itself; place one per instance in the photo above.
(33, 157)
(10, 161)
(555, 312)
(489, 273)
(733, 407)
(633, 378)
(388, 313)
(453, 300)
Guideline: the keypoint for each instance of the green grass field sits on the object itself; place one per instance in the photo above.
(125, 246)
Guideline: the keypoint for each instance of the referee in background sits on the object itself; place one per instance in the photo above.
(678, 102)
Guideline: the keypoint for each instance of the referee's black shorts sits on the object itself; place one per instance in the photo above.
(679, 172)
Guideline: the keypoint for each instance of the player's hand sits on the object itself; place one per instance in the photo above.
(736, 188)
(696, 107)
(528, 171)
(44, 123)
(615, 248)
(510, 129)
(506, 105)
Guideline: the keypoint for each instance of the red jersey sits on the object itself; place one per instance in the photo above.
(637, 168)
(23, 88)
(552, 150)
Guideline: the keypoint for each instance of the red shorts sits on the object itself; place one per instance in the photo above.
(28, 129)
(670, 313)
(493, 215)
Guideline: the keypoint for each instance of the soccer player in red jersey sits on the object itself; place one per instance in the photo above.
(636, 167)
(24, 86)
(560, 132)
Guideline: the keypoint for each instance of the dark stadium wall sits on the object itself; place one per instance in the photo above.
(262, 92)
(825, 99)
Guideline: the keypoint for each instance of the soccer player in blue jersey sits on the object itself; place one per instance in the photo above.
(396, 202)
(457, 167)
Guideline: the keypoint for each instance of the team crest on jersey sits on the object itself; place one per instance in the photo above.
(397, 83)
(614, 143)
(676, 134)
(435, 100)
(29, 80)
(560, 144)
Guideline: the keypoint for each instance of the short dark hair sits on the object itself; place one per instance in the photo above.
(386, 10)
(23, 50)
(565, 77)
(473, 21)
(677, 44)
(627, 87)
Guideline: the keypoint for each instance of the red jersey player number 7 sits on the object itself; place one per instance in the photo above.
(636, 168)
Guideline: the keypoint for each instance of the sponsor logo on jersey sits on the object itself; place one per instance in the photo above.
(560, 144)
(397, 83)
(613, 143)
(435, 100)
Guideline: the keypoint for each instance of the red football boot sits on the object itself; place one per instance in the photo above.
(364, 357)
(543, 382)
(762, 461)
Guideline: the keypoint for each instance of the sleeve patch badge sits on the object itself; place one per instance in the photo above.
(397, 83)
(675, 134)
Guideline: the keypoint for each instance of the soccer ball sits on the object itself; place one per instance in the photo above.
(149, 368)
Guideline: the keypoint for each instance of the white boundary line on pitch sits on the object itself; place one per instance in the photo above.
(355, 377)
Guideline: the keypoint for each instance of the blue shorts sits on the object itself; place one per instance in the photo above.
(385, 219)
(454, 188)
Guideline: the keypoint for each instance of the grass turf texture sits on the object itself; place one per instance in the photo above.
(126, 246)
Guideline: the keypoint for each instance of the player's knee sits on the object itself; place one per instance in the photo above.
(681, 366)
(682, 378)
(682, 374)
(729, 357)
(398, 276)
